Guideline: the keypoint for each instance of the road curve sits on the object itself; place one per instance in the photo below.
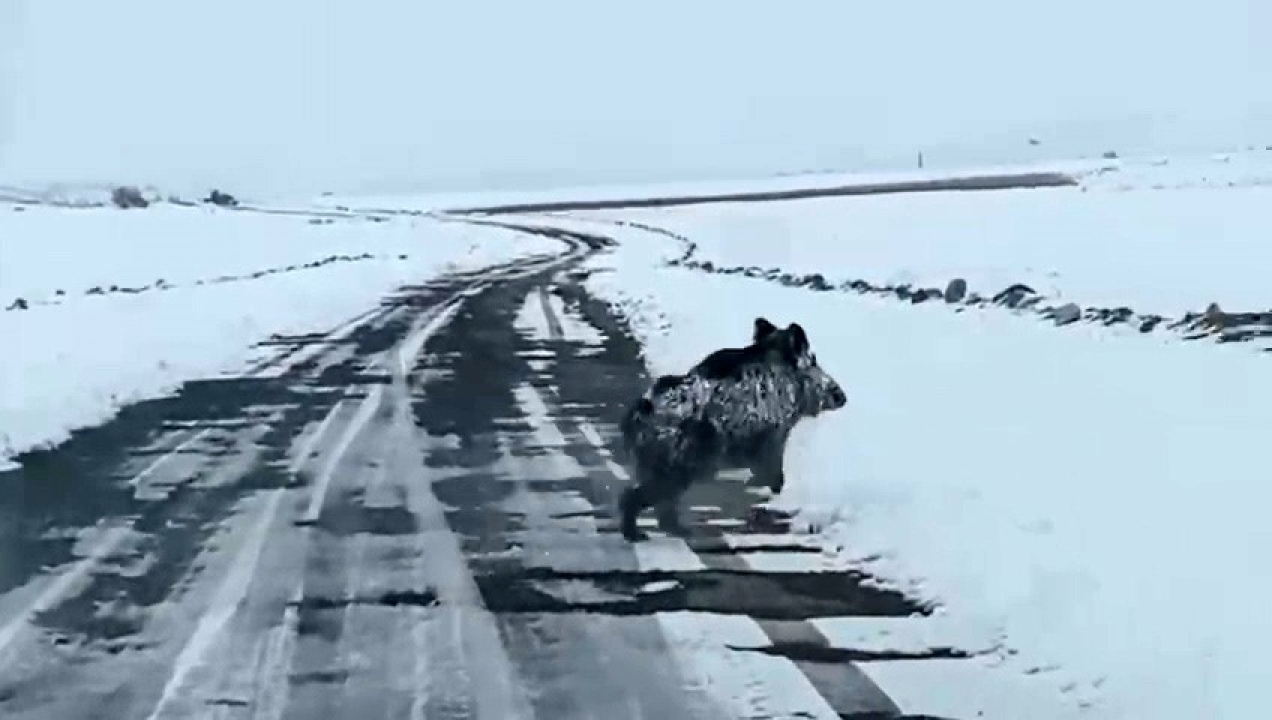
(410, 516)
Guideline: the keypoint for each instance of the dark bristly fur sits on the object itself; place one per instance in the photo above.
(728, 362)
(734, 409)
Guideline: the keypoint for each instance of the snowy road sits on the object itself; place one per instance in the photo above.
(410, 517)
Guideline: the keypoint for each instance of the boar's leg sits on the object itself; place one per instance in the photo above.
(631, 503)
(662, 491)
(766, 466)
(669, 520)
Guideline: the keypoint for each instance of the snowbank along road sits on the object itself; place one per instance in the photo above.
(411, 516)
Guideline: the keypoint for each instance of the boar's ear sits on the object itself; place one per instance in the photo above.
(796, 340)
(763, 328)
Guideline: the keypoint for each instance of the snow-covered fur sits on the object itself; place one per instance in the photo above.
(734, 409)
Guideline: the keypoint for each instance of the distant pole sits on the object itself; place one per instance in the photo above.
(920, 159)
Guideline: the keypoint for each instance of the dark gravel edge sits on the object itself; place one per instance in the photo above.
(59, 296)
(1212, 323)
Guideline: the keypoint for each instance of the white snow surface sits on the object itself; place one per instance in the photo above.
(1089, 499)
(1076, 498)
(1161, 239)
(72, 360)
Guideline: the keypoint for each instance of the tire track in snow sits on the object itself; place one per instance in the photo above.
(851, 689)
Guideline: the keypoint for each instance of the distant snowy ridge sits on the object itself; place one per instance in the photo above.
(73, 195)
(1251, 167)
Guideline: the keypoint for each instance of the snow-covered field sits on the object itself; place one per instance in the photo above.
(1088, 498)
(1082, 498)
(230, 279)
(1161, 239)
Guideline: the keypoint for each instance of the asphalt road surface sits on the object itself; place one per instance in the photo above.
(409, 516)
(966, 183)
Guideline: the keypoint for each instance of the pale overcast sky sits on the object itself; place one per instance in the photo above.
(299, 95)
